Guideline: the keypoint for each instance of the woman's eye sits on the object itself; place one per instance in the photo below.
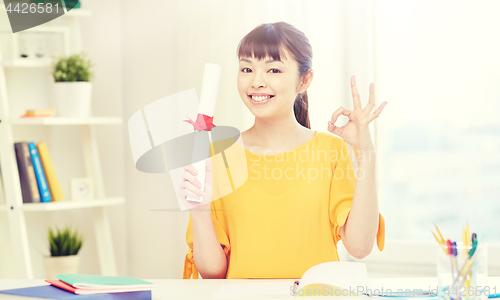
(273, 71)
(246, 70)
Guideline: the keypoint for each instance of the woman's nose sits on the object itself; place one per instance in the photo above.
(258, 81)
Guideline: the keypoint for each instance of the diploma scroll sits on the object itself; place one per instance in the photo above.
(170, 133)
(204, 119)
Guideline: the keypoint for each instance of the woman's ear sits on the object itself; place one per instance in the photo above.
(305, 81)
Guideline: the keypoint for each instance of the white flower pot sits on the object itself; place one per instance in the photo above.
(73, 99)
(55, 265)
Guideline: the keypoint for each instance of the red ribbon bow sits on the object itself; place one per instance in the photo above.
(203, 122)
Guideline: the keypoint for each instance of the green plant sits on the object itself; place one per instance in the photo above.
(72, 68)
(64, 242)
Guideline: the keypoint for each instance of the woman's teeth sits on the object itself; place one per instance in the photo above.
(261, 98)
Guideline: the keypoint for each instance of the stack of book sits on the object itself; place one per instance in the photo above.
(38, 178)
(39, 112)
(95, 284)
(81, 286)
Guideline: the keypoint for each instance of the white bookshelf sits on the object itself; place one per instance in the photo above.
(67, 121)
(79, 12)
(47, 28)
(17, 212)
(76, 12)
(24, 63)
(68, 204)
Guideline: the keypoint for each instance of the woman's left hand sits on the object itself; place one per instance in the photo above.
(356, 132)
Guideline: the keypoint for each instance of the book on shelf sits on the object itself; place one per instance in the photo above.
(39, 112)
(48, 167)
(29, 187)
(41, 180)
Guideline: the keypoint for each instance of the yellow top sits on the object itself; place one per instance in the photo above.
(286, 217)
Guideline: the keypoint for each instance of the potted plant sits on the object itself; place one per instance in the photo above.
(73, 89)
(64, 247)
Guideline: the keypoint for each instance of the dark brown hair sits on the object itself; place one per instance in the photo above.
(268, 40)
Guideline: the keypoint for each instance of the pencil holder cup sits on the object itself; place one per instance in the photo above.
(462, 276)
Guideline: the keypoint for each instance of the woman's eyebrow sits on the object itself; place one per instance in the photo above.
(267, 62)
(272, 60)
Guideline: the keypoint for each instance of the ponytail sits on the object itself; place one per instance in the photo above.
(300, 108)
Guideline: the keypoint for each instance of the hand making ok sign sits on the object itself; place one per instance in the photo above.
(355, 132)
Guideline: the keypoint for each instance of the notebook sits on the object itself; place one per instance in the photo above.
(104, 282)
(334, 278)
(80, 291)
(325, 279)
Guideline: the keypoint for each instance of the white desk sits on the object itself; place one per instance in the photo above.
(198, 289)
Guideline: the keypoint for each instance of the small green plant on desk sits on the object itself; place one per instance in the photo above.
(64, 247)
(64, 242)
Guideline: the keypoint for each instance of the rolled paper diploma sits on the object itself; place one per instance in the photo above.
(208, 98)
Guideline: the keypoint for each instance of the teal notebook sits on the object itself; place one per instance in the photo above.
(99, 282)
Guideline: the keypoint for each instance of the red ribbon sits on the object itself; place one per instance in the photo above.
(203, 122)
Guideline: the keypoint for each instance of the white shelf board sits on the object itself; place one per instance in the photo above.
(28, 63)
(70, 204)
(3, 207)
(67, 121)
(75, 12)
(79, 12)
(47, 28)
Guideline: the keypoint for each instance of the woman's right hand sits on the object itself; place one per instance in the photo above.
(191, 186)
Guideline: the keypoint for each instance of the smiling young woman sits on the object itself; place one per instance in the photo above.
(299, 201)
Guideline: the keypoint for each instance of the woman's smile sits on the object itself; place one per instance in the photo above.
(260, 98)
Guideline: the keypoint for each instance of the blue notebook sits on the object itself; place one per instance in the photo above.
(52, 292)
(41, 180)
